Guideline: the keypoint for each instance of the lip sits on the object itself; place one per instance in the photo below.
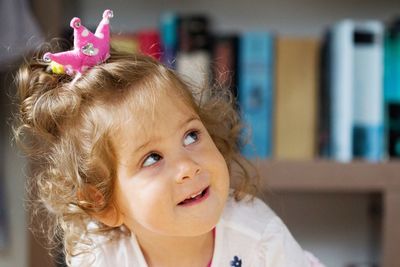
(205, 194)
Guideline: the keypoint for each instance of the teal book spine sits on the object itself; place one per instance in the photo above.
(169, 38)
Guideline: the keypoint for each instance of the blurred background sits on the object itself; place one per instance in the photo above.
(318, 83)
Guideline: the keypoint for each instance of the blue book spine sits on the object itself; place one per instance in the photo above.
(369, 137)
(169, 39)
(341, 91)
(255, 92)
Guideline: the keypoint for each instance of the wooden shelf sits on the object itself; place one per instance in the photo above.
(329, 176)
(334, 177)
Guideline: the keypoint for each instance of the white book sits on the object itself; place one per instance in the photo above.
(194, 67)
(341, 90)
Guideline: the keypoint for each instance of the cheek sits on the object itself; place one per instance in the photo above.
(145, 205)
(216, 164)
(215, 158)
(222, 177)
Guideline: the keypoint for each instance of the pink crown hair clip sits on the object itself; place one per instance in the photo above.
(89, 49)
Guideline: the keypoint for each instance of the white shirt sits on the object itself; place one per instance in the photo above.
(249, 234)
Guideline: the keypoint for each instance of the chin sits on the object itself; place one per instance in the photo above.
(199, 225)
(204, 224)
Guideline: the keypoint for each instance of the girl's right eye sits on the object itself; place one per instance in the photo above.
(151, 159)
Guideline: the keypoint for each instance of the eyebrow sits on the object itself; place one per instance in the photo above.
(190, 119)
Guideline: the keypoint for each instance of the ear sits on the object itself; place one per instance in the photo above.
(110, 215)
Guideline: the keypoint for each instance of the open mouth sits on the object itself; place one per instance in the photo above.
(194, 199)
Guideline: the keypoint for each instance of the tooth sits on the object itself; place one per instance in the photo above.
(195, 195)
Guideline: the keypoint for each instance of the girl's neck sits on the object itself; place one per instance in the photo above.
(167, 251)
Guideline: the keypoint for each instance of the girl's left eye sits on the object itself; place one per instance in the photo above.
(191, 137)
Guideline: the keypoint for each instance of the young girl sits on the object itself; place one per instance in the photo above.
(135, 169)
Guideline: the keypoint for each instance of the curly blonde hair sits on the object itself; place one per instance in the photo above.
(65, 129)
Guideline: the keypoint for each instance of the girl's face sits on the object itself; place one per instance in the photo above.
(172, 180)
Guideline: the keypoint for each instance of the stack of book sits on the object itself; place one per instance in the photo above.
(353, 69)
(299, 98)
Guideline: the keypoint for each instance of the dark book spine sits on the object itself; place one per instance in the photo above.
(394, 130)
(225, 62)
(194, 33)
(324, 101)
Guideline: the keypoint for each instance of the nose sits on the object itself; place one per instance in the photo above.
(186, 168)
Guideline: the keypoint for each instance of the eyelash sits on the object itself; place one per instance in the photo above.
(196, 131)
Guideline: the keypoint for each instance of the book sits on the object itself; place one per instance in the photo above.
(149, 42)
(297, 65)
(255, 92)
(324, 100)
(193, 58)
(392, 88)
(392, 61)
(225, 62)
(169, 38)
(368, 117)
(341, 69)
(126, 42)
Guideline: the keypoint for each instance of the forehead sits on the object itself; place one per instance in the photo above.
(150, 115)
